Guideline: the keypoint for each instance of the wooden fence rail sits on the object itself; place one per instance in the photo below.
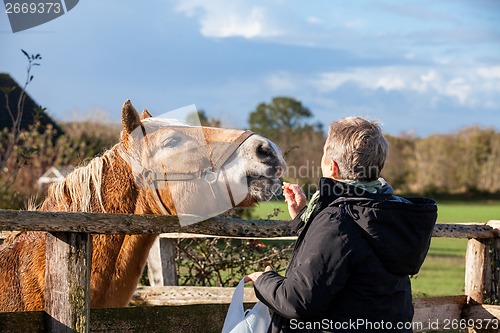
(68, 276)
(98, 223)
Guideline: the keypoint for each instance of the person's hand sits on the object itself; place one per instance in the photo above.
(255, 275)
(294, 197)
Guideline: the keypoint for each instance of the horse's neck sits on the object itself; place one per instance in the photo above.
(117, 260)
(117, 265)
(120, 258)
(120, 193)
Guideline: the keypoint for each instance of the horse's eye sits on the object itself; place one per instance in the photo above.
(171, 142)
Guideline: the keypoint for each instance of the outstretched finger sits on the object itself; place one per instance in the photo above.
(298, 193)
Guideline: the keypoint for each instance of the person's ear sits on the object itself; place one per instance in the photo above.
(334, 169)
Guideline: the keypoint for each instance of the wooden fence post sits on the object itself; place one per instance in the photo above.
(168, 253)
(67, 282)
(477, 270)
(161, 263)
(482, 272)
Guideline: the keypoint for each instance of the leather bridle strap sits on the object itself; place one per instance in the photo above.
(217, 165)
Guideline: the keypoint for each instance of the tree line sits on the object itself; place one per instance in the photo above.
(463, 162)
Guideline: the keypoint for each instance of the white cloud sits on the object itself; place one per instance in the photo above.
(460, 89)
(314, 20)
(489, 72)
(221, 19)
(280, 83)
(390, 82)
(355, 24)
(468, 87)
(375, 29)
(429, 76)
(387, 78)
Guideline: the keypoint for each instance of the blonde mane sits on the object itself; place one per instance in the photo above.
(81, 189)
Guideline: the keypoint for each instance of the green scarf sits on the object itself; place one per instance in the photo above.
(310, 207)
(372, 187)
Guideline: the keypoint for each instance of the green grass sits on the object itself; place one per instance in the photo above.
(448, 211)
(443, 270)
(483, 211)
(264, 209)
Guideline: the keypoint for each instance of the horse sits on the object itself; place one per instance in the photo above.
(124, 180)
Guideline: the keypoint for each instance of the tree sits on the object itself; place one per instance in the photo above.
(287, 122)
(465, 162)
(11, 138)
(399, 166)
(489, 177)
(209, 122)
(201, 115)
(282, 117)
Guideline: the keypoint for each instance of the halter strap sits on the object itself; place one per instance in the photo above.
(228, 152)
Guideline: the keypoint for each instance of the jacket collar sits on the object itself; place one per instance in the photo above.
(331, 190)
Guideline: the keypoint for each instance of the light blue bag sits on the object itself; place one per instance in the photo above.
(254, 320)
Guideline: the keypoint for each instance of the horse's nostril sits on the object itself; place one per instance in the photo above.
(279, 171)
(264, 151)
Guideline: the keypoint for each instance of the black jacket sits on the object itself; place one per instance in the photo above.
(350, 265)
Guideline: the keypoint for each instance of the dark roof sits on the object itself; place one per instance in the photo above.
(29, 106)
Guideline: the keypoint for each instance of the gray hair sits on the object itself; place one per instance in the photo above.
(358, 147)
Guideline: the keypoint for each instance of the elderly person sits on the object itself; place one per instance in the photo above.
(357, 243)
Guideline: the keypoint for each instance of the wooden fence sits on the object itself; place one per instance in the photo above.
(68, 275)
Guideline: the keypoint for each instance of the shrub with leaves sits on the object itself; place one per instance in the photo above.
(223, 262)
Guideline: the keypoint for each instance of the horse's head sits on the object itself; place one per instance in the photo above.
(198, 172)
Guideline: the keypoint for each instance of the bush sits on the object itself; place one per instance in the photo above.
(223, 262)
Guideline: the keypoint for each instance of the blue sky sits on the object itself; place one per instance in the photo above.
(417, 66)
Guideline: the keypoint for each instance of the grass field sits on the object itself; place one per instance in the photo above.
(444, 267)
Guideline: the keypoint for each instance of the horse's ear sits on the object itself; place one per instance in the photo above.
(130, 117)
(145, 114)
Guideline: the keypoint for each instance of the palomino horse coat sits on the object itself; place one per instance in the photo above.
(108, 184)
